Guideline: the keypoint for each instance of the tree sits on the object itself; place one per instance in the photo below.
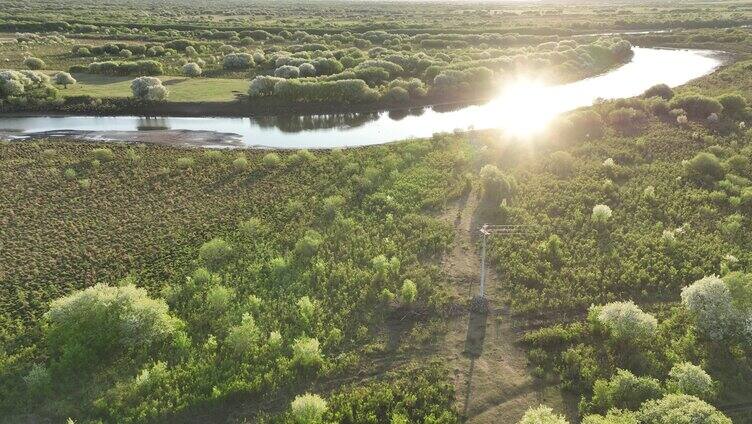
(148, 88)
(191, 69)
(626, 321)
(215, 254)
(690, 379)
(101, 324)
(34, 63)
(397, 95)
(680, 409)
(64, 79)
(308, 409)
(542, 415)
(710, 302)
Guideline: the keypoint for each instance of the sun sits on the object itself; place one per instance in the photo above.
(525, 107)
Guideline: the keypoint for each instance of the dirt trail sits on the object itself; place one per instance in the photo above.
(489, 370)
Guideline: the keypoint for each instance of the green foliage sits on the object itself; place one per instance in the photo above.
(704, 168)
(660, 90)
(99, 325)
(697, 106)
(308, 409)
(496, 185)
(306, 352)
(624, 391)
(542, 415)
(680, 409)
(34, 63)
(408, 292)
(690, 379)
(215, 254)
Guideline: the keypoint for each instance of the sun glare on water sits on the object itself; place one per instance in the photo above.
(525, 107)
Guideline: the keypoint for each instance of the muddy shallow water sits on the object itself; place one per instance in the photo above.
(520, 108)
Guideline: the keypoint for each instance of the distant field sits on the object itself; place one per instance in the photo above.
(182, 89)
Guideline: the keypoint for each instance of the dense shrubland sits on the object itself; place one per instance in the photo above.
(642, 215)
(254, 276)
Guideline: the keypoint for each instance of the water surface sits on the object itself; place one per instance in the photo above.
(521, 108)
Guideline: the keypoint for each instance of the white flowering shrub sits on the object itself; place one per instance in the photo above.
(149, 88)
(287, 71)
(626, 321)
(238, 61)
(307, 70)
(63, 78)
(601, 214)
(191, 69)
(34, 63)
(263, 85)
(27, 84)
(690, 379)
(713, 118)
(680, 409)
(542, 415)
(609, 164)
(308, 409)
(710, 301)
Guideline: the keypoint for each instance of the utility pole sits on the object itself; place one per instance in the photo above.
(488, 230)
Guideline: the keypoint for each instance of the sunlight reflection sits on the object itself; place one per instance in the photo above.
(525, 107)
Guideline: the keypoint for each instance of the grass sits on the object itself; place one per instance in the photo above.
(182, 89)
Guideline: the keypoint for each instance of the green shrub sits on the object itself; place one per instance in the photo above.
(734, 105)
(306, 352)
(624, 391)
(308, 409)
(103, 154)
(496, 185)
(101, 324)
(659, 90)
(34, 63)
(696, 106)
(271, 160)
(705, 168)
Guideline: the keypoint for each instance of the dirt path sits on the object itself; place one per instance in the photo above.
(489, 370)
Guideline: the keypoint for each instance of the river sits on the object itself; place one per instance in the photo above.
(520, 108)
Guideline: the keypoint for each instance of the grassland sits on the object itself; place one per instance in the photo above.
(181, 89)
